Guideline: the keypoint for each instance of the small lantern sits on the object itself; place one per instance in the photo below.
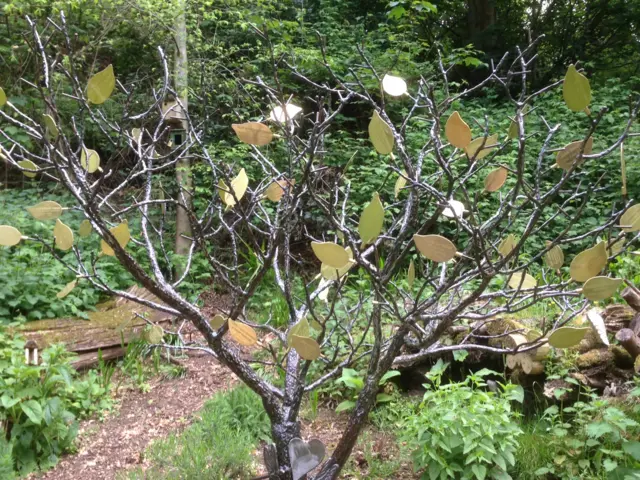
(173, 113)
(31, 352)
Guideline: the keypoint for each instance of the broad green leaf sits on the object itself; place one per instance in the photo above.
(371, 220)
(122, 235)
(435, 247)
(306, 347)
(495, 180)
(589, 263)
(346, 405)
(457, 131)
(33, 410)
(47, 210)
(85, 228)
(90, 160)
(9, 236)
(50, 127)
(389, 375)
(67, 289)
(63, 236)
(566, 337)
(3, 97)
(632, 448)
(101, 85)
(383, 398)
(600, 288)
(381, 135)
(28, 165)
(576, 90)
(394, 86)
(330, 254)
(253, 133)
(242, 333)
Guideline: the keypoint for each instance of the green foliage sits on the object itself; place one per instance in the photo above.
(41, 404)
(462, 431)
(353, 382)
(217, 446)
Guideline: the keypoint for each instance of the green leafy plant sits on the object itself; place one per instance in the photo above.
(353, 382)
(462, 431)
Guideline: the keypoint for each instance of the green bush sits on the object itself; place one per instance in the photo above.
(40, 404)
(218, 445)
(461, 431)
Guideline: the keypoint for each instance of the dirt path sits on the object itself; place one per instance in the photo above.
(108, 447)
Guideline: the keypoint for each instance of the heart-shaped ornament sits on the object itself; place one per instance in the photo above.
(305, 456)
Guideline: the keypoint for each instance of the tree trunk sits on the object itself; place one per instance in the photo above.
(183, 167)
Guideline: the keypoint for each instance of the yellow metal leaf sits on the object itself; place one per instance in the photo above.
(90, 160)
(122, 235)
(616, 247)
(301, 328)
(63, 236)
(457, 131)
(381, 135)
(411, 274)
(630, 220)
(576, 90)
(600, 288)
(566, 337)
(331, 254)
(473, 149)
(85, 228)
(101, 85)
(306, 347)
(589, 263)
(569, 154)
(67, 289)
(435, 247)
(495, 179)
(401, 182)
(597, 322)
(217, 321)
(50, 127)
(277, 188)
(554, 258)
(623, 170)
(28, 165)
(507, 245)
(394, 86)
(242, 333)
(239, 187)
(3, 97)
(154, 334)
(371, 220)
(253, 133)
(9, 236)
(47, 210)
(331, 273)
(528, 282)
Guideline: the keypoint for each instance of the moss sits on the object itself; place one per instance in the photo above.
(594, 357)
(621, 356)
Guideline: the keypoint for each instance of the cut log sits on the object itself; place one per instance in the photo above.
(632, 297)
(635, 324)
(630, 341)
(530, 366)
(621, 357)
(617, 316)
(594, 357)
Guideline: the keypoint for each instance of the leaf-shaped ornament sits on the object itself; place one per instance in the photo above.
(475, 148)
(101, 85)
(300, 328)
(589, 263)
(630, 220)
(63, 236)
(565, 337)
(47, 210)
(371, 220)
(394, 86)
(28, 165)
(3, 97)
(330, 254)
(457, 131)
(554, 258)
(411, 274)
(50, 126)
(242, 333)
(90, 160)
(306, 347)
(495, 180)
(239, 187)
(9, 236)
(85, 228)
(67, 289)
(401, 182)
(600, 288)
(516, 281)
(569, 154)
(331, 273)
(217, 321)
(576, 90)
(454, 210)
(122, 235)
(435, 247)
(380, 134)
(597, 322)
(253, 133)
(507, 245)
(282, 115)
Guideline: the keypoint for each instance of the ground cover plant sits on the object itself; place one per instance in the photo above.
(472, 221)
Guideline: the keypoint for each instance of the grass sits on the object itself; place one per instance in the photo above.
(218, 445)
(534, 451)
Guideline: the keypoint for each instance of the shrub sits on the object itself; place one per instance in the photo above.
(41, 403)
(461, 431)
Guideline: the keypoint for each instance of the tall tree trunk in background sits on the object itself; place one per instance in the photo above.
(183, 167)
(481, 15)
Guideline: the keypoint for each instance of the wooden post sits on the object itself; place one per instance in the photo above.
(630, 341)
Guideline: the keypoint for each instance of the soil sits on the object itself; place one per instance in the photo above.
(118, 443)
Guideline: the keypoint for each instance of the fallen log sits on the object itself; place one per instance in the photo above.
(632, 297)
(630, 341)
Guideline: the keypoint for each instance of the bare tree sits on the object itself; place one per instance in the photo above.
(470, 278)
